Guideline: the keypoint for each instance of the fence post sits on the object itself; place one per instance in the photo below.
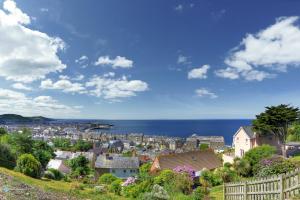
(245, 190)
(281, 187)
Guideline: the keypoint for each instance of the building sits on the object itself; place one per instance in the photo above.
(215, 142)
(198, 160)
(245, 139)
(58, 165)
(121, 167)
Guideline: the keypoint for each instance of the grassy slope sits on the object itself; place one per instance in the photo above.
(57, 186)
(216, 193)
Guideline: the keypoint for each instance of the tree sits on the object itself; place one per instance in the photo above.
(144, 171)
(2, 131)
(42, 152)
(276, 120)
(164, 177)
(7, 158)
(294, 132)
(20, 143)
(82, 145)
(28, 165)
(62, 143)
(79, 166)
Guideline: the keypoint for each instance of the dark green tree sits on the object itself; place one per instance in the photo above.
(79, 166)
(7, 158)
(2, 131)
(276, 120)
(82, 145)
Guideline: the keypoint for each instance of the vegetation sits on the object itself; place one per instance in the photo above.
(294, 133)
(79, 166)
(203, 147)
(65, 144)
(7, 158)
(276, 120)
(29, 166)
(107, 178)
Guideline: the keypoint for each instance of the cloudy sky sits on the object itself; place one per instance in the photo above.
(140, 59)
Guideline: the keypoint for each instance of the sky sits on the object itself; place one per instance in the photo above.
(141, 59)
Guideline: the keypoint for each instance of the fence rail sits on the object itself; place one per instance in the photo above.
(282, 187)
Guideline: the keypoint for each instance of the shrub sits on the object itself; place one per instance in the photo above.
(226, 174)
(255, 155)
(116, 187)
(242, 166)
(204, 147)
(198, 193)
(180, 183)
(164, 177)
(49, 175)
(107, 178)
(7, 158)
(274, 166)
(185, 169)
(57, 174)
(209, 178)
(157, 193)
(28, 165)
(144, 171)
(79, 166)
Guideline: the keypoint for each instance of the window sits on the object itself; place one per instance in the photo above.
(113, 171)
(124, 170)
(242, 152)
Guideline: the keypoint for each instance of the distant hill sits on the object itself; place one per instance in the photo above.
(13, 118)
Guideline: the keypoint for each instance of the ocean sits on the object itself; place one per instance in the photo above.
(178, 128)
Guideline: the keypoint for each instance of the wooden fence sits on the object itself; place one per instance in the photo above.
(282, 187)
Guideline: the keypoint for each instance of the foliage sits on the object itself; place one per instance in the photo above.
(129, 181)
(138, 189)
(49, 175)
(242, 166)
(62, 143)
(255, 155)
(274, 166)
(28, 165)
(181, 183)
(204, 147)
(107, 178)
(157, 193)
(276, 120)
(116, 187)
(79, 166)
(82, 145)
(2, 131)
(7, 158)
(209, 178)
(185, 169)
(294, 132)
(164, 177)
(199, 193)
(227, 174)
(144, 171)
(127, 154)
(20, 143)
(57, 174)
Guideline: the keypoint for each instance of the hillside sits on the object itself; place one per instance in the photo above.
(14, 185)
(13, 118)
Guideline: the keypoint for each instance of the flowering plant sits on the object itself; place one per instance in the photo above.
(185, 169)
(129, 181)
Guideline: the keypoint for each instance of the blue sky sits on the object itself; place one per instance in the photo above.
(139, 59)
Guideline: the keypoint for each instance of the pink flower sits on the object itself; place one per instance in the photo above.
(129, 181)
(185, 169)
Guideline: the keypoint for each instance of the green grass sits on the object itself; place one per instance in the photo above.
(62, 187)
(216, 193)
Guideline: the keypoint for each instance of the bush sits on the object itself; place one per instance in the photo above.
(164, 177)
(28, 165)
(242, 166)
(255, 155)
(198, 193)
(226, 174)
(79, 166)
(107, 178)
(57, 174)
(274, 166)
(7, 158)
(180, 183)
(144, 171)
(157, 193)
(116, 187)
(209, 178)
(204, 147)
(49, 175)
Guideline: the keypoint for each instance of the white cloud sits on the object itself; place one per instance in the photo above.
(182, 60)
(65, 85)
(44, 9)
(114, 89)
(65, 77)
(200, 73)
(266, 53)
(82, 61)
(202, 92)
(179, 8)
(119, 61)
(19, 103)
(21, 86)
(26, 54)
